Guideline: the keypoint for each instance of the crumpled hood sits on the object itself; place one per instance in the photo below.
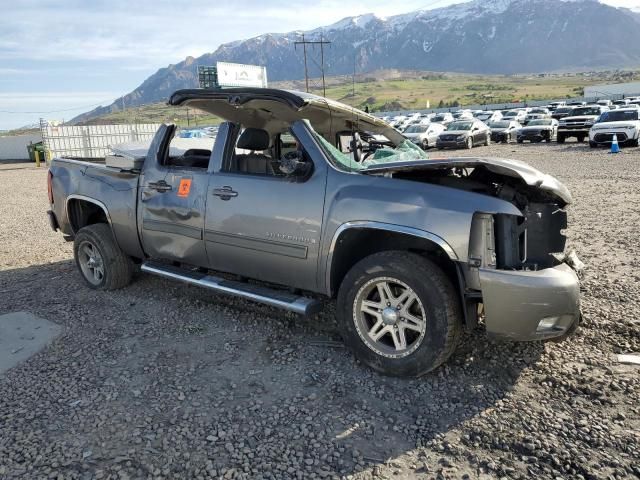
(502, 166)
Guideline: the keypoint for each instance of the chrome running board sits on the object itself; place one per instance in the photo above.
(269, 296)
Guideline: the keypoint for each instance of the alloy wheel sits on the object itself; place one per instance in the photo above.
(389, 317)
(91, 262)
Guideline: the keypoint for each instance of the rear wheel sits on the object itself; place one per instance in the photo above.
(101, 263)
(399, 313)
(560, 138)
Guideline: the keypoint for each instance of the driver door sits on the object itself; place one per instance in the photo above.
(265, 226)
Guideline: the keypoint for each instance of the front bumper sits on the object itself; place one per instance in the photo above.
(606, 137)
(461, 143)
(535, 137)
(530, 305)
(500, 136)
(572, 131)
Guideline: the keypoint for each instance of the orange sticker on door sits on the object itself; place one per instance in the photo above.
(184, 188)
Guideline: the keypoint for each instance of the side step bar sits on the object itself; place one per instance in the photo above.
(257, 293)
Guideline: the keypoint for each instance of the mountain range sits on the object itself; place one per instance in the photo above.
(480, 36)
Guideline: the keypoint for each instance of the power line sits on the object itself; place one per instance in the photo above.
(56, 111)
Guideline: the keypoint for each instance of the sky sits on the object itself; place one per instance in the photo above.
(62, 58)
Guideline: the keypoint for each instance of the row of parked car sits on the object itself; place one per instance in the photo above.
(597, 122)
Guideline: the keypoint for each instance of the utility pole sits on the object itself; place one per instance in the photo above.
(322, 42)
(306, 71)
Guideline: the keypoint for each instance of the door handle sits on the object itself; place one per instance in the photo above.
(160, 186)
(225, 193)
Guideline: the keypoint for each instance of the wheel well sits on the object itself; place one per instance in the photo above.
(355, 244)
(83, 212)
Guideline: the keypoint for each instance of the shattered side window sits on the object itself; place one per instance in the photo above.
(341, 159)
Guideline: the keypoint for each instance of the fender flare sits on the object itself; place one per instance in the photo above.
(84, 198)
(390, 227)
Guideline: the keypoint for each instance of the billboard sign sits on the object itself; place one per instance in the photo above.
(238, 75)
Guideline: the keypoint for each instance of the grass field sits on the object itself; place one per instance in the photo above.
(398, 90)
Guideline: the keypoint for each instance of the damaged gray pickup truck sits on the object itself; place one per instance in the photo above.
(299, 199)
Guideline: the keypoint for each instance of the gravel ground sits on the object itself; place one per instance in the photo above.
(163, 380)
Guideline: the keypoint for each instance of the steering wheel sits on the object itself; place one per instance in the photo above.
(356, 147)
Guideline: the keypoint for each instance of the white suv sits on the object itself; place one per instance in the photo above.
(623, 122)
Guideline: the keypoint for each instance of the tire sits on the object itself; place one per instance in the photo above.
(593, 144)
(560, 138)
(469, 144)
(635, 142)
(427, 344)
(487, 141)
(425, 144)
(101, 263)
(580, 139)
(520, 140)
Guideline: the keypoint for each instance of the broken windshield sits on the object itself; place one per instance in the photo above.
(405, 152)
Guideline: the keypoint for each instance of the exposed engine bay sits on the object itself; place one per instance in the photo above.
(521, 242)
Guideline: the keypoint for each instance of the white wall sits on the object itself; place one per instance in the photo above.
(15, 147)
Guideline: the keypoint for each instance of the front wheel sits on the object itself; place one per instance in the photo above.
(560, 138)
(487, 141)
(425, 144)
(399, 313)
(101, 263)
(469, 144)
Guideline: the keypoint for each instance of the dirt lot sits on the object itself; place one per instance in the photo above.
(162, 380)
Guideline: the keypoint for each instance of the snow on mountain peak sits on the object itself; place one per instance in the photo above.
(360, 21)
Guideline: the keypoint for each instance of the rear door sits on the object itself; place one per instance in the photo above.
(173, 197)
